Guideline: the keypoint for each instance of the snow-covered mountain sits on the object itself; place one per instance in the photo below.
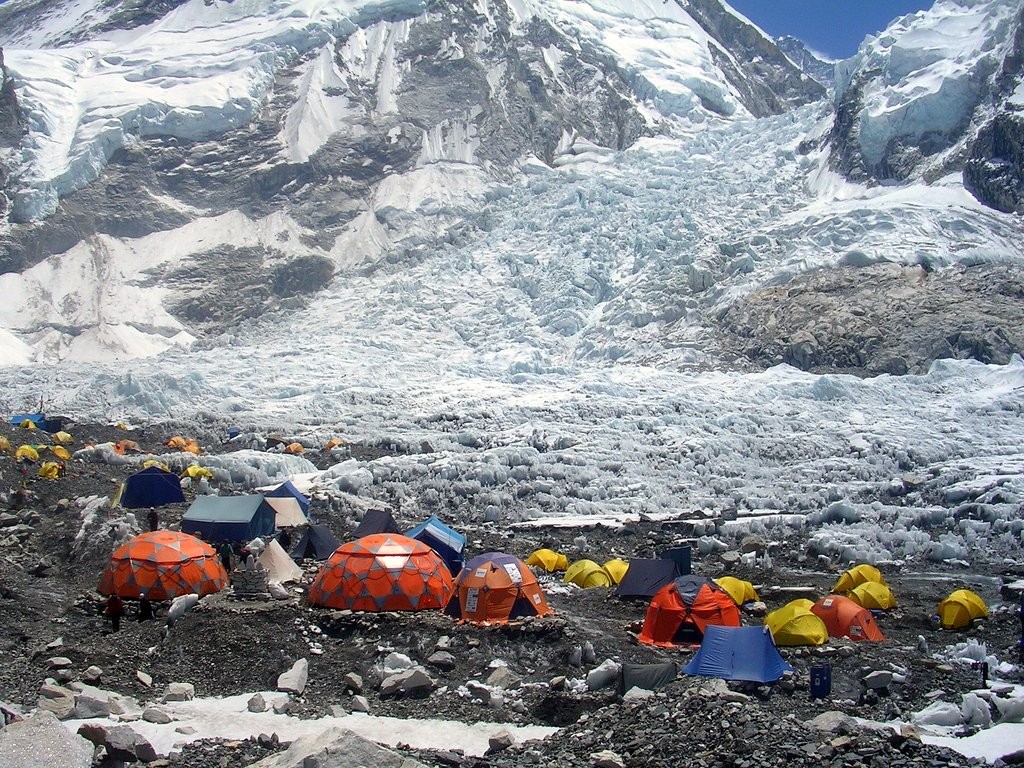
(548, 255)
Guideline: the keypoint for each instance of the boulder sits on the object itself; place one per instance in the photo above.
(143, 678)
(294, 680)
(397, 662)
(123, 743)
(59, 662)
(256, 703)
(89, 705)
(92, 674)
(180, 692)
(411, 682)
(833, 722)
(155, 715)
(57, 699)
(441, 660)
(353, 682)
(360, 704)
(877, 680)
(500, 741)
(334, 747)
(606, 759)
(42, 741)
(503, 677)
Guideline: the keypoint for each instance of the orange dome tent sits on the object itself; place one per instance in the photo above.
(493, 588)
(382, 572)
(681, 610)
(163, 564)
(844, 618)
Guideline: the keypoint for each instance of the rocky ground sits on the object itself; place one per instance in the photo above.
(529, 673)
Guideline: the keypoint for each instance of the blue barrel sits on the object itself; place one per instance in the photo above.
(821, 681)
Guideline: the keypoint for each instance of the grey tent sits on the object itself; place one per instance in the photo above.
(645, 577)
(376, 521)
(649, 677)
(316, 543)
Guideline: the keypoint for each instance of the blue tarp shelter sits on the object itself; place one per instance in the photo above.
(738, 653)
(229, 518)
(448, 543)
(38, 419)
(286, 490)
(152, 487)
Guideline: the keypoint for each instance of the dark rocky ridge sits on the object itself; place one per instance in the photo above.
(880, 319)
(767, 81)
(822, 71)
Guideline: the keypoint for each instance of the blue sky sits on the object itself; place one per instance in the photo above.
(832, 27)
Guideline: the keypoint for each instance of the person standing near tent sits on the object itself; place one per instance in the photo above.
(114, 611)
(145, 608)
(225, 556)
(153, 518)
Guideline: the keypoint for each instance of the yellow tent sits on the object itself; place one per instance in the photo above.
(50, 470)
(63, 437)
(794, 624)
(296, 449)
(27, 453)
(5, 444)
(856, 576)
(61, 452)
(549, 560)
(616, 569)
(154, 463)
(195, 471)
(873, 596)
(960, 609)
(739, 590)
(27, 424)
(587, 573)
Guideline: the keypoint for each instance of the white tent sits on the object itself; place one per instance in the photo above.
(276, 561)
(289, 512)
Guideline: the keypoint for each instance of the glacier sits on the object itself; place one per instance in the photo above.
(536, 344)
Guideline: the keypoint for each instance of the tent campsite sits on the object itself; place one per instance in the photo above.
(796, 624)
(646, 576)
(495, 587)
(375, 521)
(681, 612)
(152, 487)
(587, 574)
(738, 653)
(844, 618)
(548, 559)
(229, 518)
(316, 543)
(447, 542)
(960, 608)
(382, 572)
(279, 567)
(739, 590)
(163, 565)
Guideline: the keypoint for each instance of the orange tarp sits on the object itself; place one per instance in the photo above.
(493, 588)
(163, 564)
(844, 618)
(382, 572)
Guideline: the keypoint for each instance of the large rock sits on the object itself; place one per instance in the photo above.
(180, 692)
(57, 699)
(43, 742)
(88, 705)
(336, 747)
(411, 682)
(294, 680)
(123, 743)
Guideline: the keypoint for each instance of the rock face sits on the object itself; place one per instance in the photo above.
(888, 127)
(881, 319)
(823, 72)
(42, 742)
(767, 81)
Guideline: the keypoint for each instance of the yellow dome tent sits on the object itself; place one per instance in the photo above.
(28, 424)
(856, 576)
(739, 590)
(616, 569)
(27, 453)
(873, 596)
(61, 452)
(195, 471)
(587, 574)
(154, 463)
(5, 444)
(961, 608)
(63, 437)
(794, 624)
(549, 560)
(49, 470)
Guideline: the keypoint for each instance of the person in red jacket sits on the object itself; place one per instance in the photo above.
(114, 611)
